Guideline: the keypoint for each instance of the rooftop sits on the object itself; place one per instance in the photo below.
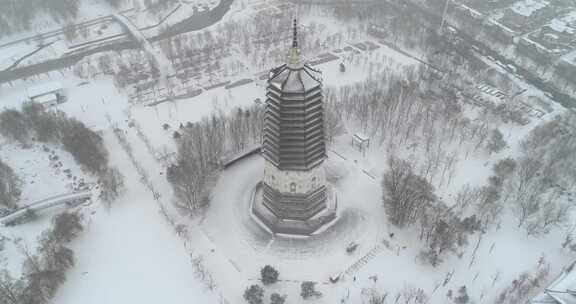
(45, 88)
(528, 7)
(46, 98)
(295, 80)
(561, 291)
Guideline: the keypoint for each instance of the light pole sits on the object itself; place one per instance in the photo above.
(444, 16)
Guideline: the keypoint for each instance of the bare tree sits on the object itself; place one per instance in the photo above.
(377, 299)
(66, 227)
(13, 125)
(553, 212)
(496, 142)
(523, 287)
(201, 148)
(111, 185)
(9, 186)
(412, 295)
(85, 146)
(505, 167)
(332, 122)
(406, 194)
(10, 289)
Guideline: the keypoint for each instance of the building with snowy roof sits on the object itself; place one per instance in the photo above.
(47, 94)
(561, 291)
(566, 67)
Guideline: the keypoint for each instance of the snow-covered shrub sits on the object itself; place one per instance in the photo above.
(308, 290)
(269, 275)
(254, 294)
(335, 172)
(496, 142)
(462, 297)
(66, 227)
(505, 167)
(430, 256)
(276, 298)
(29, 216)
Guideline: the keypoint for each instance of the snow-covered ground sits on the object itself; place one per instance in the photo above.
(41, 178)
(527, 7)
(131, 253)
(565, 24)
(95, 102)
(88, 10)
(17, 238)
(181, 111)
(132, 250)
(123, 244)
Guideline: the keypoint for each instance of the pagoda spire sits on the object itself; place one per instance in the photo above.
(295, 34)
(294, 55)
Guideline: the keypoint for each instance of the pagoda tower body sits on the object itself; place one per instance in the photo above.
(294, 197)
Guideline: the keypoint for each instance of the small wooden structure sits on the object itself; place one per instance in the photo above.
(47, 94)
(360, 140)
(352, 246)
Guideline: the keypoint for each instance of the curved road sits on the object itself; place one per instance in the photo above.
(195, 22)
(47, 203)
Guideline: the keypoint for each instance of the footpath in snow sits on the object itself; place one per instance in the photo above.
(129, 254)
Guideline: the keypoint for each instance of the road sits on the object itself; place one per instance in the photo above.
(46, 203)
(55, 33)
(466, 49)
(195, 22)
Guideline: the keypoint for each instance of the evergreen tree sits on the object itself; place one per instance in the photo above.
(269, 275)
(85, 146)
(276, 298)
(308, 290)
(9, 186)
(13, 125)
(254, 295)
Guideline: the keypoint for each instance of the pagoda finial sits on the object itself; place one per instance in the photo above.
(295, 34)
(294, 55)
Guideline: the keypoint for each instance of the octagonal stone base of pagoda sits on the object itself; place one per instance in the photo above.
(275, 225)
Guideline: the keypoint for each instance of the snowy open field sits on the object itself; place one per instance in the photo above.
(130, 253)
(135, 219)
(133, 253)
(43, 174)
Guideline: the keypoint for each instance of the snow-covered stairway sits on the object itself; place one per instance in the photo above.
(364, 260)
